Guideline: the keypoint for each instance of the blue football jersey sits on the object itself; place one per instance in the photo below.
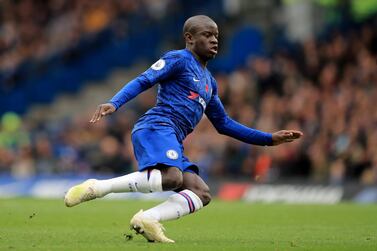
(186, 90)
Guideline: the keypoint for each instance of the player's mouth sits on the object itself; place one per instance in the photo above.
(213, 49)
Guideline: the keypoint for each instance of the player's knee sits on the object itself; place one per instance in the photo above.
(206, 197)
(172, 179)
(202, 191)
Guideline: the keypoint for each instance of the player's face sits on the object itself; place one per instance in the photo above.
(205, 41)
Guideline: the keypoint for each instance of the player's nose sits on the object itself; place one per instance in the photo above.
(213, 40)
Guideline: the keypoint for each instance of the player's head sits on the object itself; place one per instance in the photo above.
(201, 36)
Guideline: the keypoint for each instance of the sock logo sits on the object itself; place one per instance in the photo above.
(131, 187)
(172, 154)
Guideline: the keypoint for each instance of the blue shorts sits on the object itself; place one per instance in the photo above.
(160, 146)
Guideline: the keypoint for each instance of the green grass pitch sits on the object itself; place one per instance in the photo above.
(31, 224)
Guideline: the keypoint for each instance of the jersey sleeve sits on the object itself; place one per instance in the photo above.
(166, 67)
(225, 125)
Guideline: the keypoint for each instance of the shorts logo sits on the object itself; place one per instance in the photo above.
(172, 154)
(158, 65)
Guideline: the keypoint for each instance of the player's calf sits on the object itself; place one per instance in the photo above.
(194, 183)
(178, 205)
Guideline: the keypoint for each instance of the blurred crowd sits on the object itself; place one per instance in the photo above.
(326, 88)
(31, 30)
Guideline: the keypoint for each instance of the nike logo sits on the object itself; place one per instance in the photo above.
(196, 80)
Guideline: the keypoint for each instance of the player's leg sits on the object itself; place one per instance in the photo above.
(155, 150)
(190, 197)
(155, 179)
(196, 184)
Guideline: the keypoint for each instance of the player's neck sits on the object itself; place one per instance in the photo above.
(202, 62)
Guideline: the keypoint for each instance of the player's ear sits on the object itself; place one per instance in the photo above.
(188, 38)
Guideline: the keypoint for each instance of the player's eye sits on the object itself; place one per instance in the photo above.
(206, 34)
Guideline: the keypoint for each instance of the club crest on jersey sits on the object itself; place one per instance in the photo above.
(158, 65)
(172, 154)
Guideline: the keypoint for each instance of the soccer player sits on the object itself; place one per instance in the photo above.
(186, 91)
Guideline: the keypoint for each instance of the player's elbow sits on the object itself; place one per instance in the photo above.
(220, 129)
(221, 125)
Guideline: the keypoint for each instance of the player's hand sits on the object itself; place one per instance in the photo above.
(102, 110)
(285, 136)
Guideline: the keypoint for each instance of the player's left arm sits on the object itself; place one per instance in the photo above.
(225, 125)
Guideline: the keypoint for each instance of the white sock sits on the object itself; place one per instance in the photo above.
(177, 206)
(146, 182)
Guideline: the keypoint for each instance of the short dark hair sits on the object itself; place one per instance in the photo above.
(193, 22)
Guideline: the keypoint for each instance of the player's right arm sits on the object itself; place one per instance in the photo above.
(225, 125)
(164, 68)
